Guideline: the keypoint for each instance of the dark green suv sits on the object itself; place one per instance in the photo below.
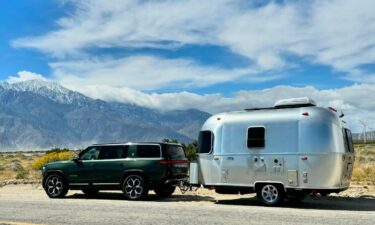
(134, 168)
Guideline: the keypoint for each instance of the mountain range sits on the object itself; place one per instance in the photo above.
(38, 114)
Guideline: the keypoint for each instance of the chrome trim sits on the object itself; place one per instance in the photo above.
(73, 184)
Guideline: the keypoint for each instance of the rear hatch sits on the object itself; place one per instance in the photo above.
(176, 161)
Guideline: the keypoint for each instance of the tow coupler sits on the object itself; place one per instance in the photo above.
(185, 186)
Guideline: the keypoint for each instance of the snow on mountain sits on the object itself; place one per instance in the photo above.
(38, 114)
(49, 89)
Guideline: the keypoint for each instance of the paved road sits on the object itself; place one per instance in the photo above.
(109, 208)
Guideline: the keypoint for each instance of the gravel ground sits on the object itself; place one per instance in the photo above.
(29, 204)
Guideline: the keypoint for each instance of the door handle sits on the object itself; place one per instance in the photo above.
(230, 158)
(216, 158)
(92, 165)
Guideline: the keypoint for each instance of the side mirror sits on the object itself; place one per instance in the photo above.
(76, 159)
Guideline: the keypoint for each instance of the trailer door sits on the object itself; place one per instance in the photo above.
(348, 157)
(208, 163)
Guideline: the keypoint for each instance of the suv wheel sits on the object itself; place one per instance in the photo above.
(165, 190)
(134, 187)
(55, 186)
(90, 192)
(270, 194)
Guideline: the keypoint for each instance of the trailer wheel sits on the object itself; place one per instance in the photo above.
(270, 194)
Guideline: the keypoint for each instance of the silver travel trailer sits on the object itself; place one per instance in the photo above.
(287, 151)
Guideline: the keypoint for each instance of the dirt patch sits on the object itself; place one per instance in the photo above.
(16, 223)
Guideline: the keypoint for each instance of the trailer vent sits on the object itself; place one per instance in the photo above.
(294, 103)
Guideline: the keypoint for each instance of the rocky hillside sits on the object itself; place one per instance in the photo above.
(38, 114)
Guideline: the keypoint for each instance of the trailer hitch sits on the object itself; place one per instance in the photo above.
(185, 186)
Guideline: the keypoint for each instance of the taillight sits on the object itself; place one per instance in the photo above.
(171, 162)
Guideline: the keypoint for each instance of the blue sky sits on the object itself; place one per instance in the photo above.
(147, 52)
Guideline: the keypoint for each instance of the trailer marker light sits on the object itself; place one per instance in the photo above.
(332, 109)
(305, 114)
(304, 158)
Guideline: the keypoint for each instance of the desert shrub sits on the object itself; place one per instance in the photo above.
(191, 151)
(8, 156)
(364, 166)
(14, 165)
(51, 157)
(364, 173)
(21, 173)
(57, 150)
(20, 156)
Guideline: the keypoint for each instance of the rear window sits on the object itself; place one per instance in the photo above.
(205, 141)
(148, 151)
(348, 140)
(175, 152)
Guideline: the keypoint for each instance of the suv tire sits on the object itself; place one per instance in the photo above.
(134, 187)
(56, 186)
(271, 194)
(164, 191)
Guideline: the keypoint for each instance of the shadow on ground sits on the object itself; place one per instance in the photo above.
(150, 197)
(363, 203)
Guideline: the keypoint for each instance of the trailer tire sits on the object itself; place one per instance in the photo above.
(270, 194)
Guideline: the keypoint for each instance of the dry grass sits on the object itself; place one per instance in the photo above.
(364, 166)
(18, 166)
(26, 165)
(51, 157)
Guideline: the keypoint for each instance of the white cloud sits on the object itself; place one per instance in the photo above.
(24, 76)
(148, 73)
(336, 33)
(355, 101)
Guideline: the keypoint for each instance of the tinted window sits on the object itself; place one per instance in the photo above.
(113, 152)
(148, 151)
(255, 137)
(348, 140)
(90, 153)
(205, 141)
(175, 152)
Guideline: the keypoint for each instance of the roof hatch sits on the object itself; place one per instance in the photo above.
(294, 102)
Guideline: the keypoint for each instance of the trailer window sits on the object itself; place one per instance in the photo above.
(348, 140)
(205, 141)
(255, 137)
